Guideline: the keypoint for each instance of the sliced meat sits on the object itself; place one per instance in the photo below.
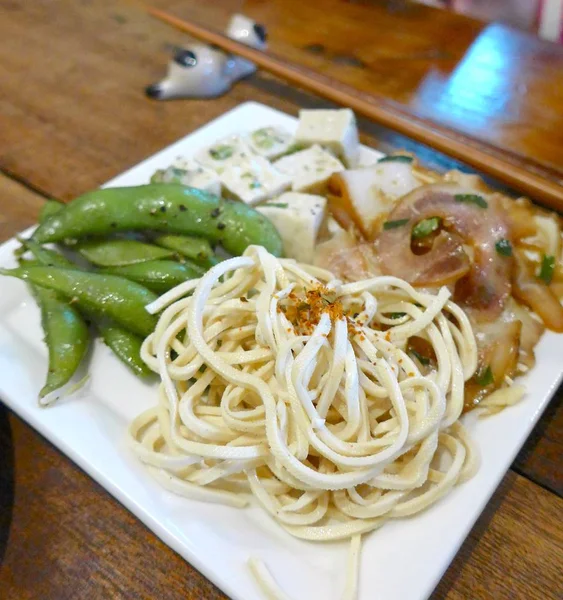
(347, 257)
(483, 281)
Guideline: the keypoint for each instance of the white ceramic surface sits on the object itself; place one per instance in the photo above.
(402, 561)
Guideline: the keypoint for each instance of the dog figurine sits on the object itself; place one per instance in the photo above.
(204, 71)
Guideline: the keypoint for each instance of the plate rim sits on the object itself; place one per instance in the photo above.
(144, 515)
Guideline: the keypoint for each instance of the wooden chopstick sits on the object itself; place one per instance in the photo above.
(507, 168)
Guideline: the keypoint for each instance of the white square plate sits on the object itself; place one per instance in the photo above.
(403, 560)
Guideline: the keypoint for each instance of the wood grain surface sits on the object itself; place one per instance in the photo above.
(72, 115)
(488, 81)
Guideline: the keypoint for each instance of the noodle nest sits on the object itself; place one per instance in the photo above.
(280, 382)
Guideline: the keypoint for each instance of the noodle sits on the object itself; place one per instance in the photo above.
(281, 382)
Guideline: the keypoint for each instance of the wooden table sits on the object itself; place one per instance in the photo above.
(72, 115)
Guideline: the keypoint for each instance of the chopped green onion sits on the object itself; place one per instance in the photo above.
(471, 199)
(547, 268)
(425, 227)
(396, 158)
(277, 204)
(485, 378)
(267, 137)
(504, 247)
(254, 185)
(423, 360)
(395, 224)
(178, 172)
(397, 315)
(221, 152)
(294, 148)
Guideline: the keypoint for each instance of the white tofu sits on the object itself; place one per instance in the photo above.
(333, 129)
(253, 180)
(190, 173)
(309, 169)
(298, 218)
(366, 195)
(367, 157)
(269, 142)
(394, 178)
(224, 153)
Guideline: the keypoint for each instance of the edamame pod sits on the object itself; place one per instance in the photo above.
(188, 246)
(66, 336)
(126, 346)
(116, 253)
(50, 208)
(158, 275)
(46, 256)
(196, 248)
(110, 296)
(163, 207)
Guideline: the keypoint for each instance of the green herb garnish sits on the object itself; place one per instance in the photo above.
(504, 247)
(277, 204)
(395, 224)
(176, 172)
(254, 185)
(485, 378)
(396, 158)
(266, 138)
(547, 268)
(221, 152)
(423, 360)
(472, 199)
(397, 315)
(294, 148)
(425, 227)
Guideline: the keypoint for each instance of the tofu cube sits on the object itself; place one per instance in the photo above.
(190, 173)
(332, 129)
(269, 142)
(366, 196)
(298, 218)
(309, 169)
(224, 153)
(253, 180)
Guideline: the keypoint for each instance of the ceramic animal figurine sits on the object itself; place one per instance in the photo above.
(203, 71)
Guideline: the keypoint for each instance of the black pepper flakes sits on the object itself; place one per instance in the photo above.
(182, 208)
(215, 213)
(163, 209)
(221, 226)
(114, 225)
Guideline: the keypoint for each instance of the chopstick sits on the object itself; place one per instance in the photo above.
(517, 173)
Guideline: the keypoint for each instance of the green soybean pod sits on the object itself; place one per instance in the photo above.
(46, 256)
(66, 336)
(195, 248)
(188, 246)
(164, 207)
(126, 346)
(50, 208)
(116, 253)
(109, 296)
(158, 275)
